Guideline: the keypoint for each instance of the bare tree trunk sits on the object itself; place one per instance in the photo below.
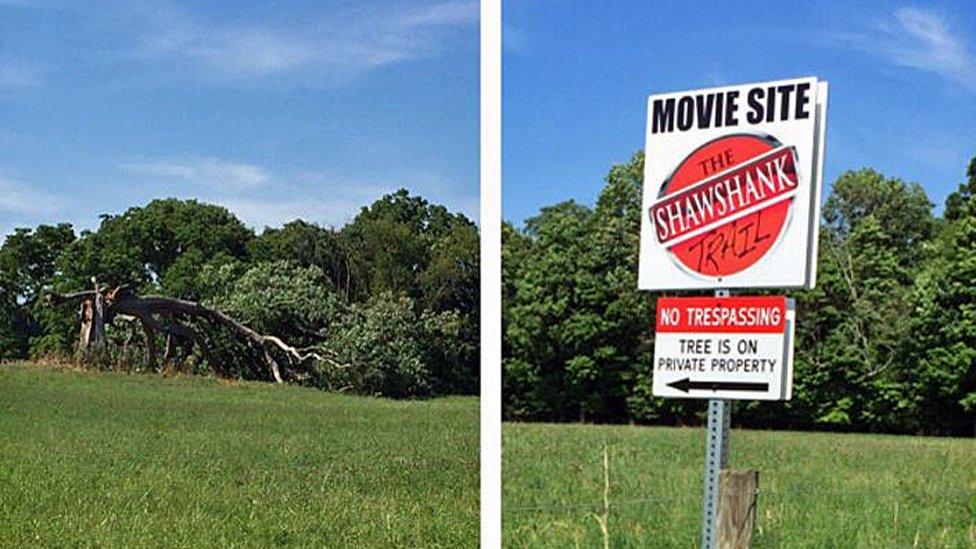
(150, 343)
(275, 373)
(91, 335)
(97, 340)
(87, 316)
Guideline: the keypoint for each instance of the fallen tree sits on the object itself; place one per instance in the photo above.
(179, 321)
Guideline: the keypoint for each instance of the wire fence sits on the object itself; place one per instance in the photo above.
(965, 497)
(773, 494)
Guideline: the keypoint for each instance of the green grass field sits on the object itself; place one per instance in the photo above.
(132, 460)
(816, 489)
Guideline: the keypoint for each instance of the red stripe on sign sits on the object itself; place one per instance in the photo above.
(708, 204)
(731, 315)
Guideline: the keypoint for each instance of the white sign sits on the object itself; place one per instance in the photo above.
(732, 180)
(724, 347)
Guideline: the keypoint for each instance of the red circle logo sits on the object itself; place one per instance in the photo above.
(726, 204)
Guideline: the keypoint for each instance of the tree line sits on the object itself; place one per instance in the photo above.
(885, 342)
(392, 296)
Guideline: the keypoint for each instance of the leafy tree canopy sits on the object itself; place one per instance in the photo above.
(395, 292)
(885, 342)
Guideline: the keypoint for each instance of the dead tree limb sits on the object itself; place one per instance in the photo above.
(121, 300)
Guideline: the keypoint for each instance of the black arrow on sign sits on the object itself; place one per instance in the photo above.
(686, 384)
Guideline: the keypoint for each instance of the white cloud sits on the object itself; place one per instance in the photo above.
(332, 207)
(320, 197)
(262, 198)
(23, 200)
(25, 3)
(261, 213)
(204, 172)
(514, 39)
(325, 199)
(434, 187)
(15, 74)
(920, 39)
(344, 43)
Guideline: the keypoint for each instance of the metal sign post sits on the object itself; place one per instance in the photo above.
(716, 458)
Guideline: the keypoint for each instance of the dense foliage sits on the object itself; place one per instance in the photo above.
(886, 341)
(392, 296)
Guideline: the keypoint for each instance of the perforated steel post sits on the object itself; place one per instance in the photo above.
(716, 458)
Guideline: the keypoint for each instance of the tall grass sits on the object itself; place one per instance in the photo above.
(816, 489)
(111, 459)
(604, 519)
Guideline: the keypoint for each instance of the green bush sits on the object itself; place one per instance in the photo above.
(381, 342)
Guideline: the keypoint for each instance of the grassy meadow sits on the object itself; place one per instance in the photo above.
(816, 489)
(131, 460)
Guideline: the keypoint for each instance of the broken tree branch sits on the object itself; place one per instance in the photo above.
(121, 300)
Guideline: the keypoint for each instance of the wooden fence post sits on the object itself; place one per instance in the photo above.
(737, 508)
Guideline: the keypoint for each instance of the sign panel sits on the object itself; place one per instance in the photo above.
(732, 180)
(724, 347)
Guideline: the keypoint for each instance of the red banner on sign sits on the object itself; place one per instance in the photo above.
(734, 315)
(760, 181)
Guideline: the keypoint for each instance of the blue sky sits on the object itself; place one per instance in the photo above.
(276, 110)
(577, 74)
